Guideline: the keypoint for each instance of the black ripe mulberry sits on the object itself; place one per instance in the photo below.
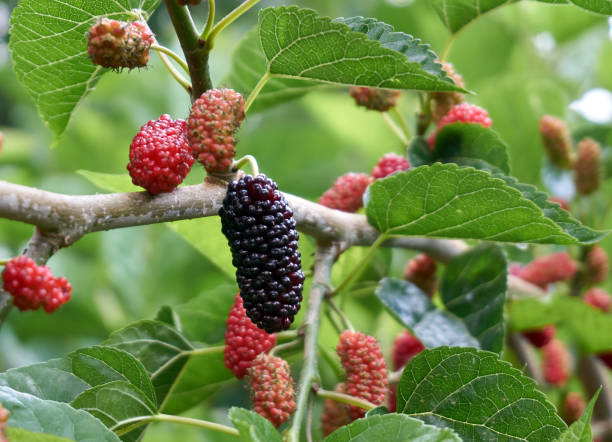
(260, 229)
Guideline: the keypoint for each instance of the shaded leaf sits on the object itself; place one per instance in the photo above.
(391, 428)
(48, 45)
(599, 6)
(456, 14)
(477, 395)
(474, 289)
(444, 200)
(411, 307)
(253, 427)
(298, 43)
(50, 417)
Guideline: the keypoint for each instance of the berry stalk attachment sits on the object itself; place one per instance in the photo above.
(260, 229)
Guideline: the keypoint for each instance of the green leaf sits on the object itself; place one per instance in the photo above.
(21, 435)
(298, 43)
(48, 45)
(411, 307)
(253, 427)
(159, 347)
(456, 14)
(203, 233)
(115, 402)
(599, 6)
(580, 431)
(391, 428)
(381, 409)
(249, 65)
(50, 417)
(474, 289)
(477, 395)
(64, 379)
(413, 48)
(446, 201)
(585, 322)
(471, 145)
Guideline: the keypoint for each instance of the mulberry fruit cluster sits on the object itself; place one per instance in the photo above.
(375, 99)
(260, 229)
(596, 270)
(160, 158)
(556, 363)
(405, 347)
(34, 286)
(598, 299)
(587, 167)
(335, 414)
(547, 269)
(389, 164)
(116, 44)
(462, 113)
(443, 102)
(421, 271)
(541, 336)
(244, 341)
(366, 369)
(346, 193)
(557, 141)
(214, 119)
(272, 388)
(573, 407)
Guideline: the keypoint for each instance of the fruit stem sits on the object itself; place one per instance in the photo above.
(402, 122)
(345, 320)
(205, 351)
(287, 334)
(325, 256)
(344, 398)
(247, 159)
(210, 21)
(334, 322)
(447, 47)
(296, 343)
(395, 128)
(229, 19)
(173, 419)
(360, 266)
(256, 90)
(162, 49)
(4, 262)
(175, 73)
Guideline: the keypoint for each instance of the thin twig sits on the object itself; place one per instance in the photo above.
(229, 19)
(395, 128)
(345, 398)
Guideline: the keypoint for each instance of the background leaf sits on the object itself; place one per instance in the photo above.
(50, 417)
(392, 428)
(444, 200)
(411, 307)
(49, 50)
(292, 39)
(253, 427)
(600, 6)
(456, 14)
(474, 289)
(477, 395)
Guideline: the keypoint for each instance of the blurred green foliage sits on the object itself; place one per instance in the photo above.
(523, 61)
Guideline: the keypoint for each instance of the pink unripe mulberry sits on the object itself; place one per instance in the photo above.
(214, 119)
(587, 167)
(443, 102)
(335, 414)
(562, 202)
(547, 269)
(272, 388)
(421, 271)
(599, 299)
(159, 155)
(556, 363)
(596, 266)
(462, 113)
(388, 164)
(573, 407)
(366, 369)
(375, 99)
(117, 44)
(244, 341)
(405, 347)
(541, 336)
(33, 286)
(557, 141)
(346, 193)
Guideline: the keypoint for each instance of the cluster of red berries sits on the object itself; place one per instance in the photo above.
(421, 271)
(546, 270)
(346, 193)
(116, 44)
(380, 100)
(405, 347)
(461, 113)
(33, 286)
